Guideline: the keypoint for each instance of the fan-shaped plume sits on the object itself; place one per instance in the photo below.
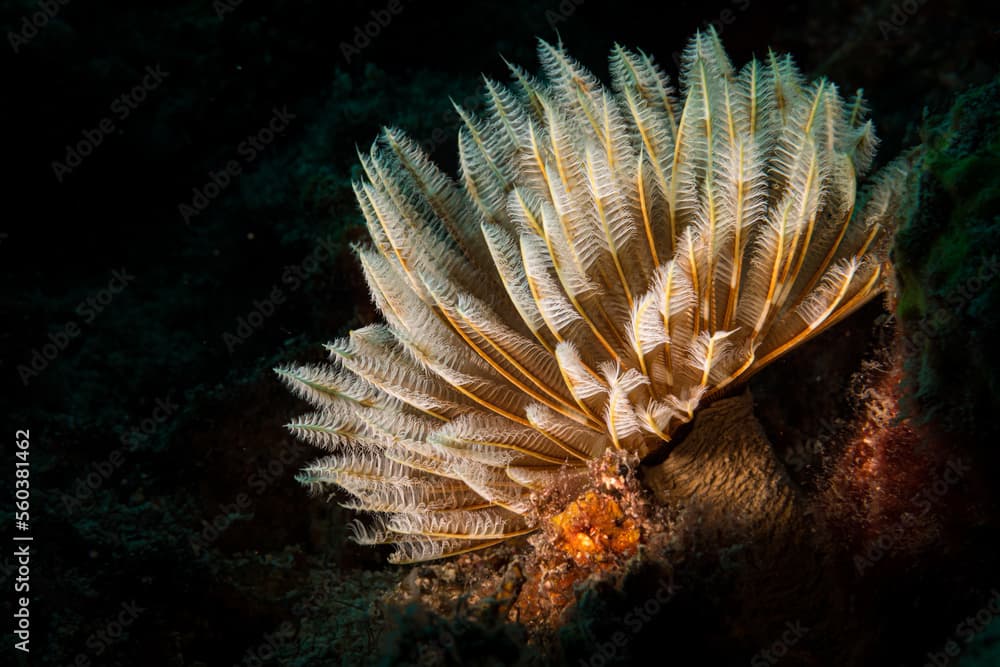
(610, 258)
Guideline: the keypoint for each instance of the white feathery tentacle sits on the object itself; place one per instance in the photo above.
(608, 260)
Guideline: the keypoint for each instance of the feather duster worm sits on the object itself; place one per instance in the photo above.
(610, 260)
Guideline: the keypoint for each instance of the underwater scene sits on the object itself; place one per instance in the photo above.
(570, 332)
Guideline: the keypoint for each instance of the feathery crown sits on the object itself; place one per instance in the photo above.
(611, 260)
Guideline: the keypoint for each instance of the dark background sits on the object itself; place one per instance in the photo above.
(118, 515)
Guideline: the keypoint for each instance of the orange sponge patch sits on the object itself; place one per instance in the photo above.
(594, 528)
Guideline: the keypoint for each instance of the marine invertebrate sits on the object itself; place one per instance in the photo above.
(612, 259)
